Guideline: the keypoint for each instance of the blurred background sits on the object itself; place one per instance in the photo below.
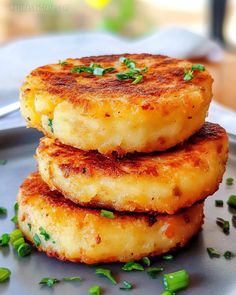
(131, 19)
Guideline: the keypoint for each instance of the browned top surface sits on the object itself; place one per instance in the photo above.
(164, 77)
(73, 161)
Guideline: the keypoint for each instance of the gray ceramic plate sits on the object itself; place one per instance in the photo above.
(208, 276)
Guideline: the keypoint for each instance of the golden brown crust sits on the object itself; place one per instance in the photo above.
(102, 113)
(83, 235)
(158, 182)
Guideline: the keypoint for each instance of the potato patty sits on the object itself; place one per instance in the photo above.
(102, 113)
(83, 235)
(162, 182)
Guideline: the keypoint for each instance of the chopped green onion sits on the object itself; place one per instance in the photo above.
(50, 124)
(154, 271)
(14, 219)
(129, 63)
(5, 274)
(3, 211)
(29, 226)
(94, 65)
(16, 244)
(94, 69)
(107, 214)
(168, 257)
(213, 253)
(198, 67)
(24, 250)
(3, 162)
(44, 233)
(62, 62)
(176, 281)
(49, 281)
(95, 290)
(126, 286)
(229, 181)
(224, 224)
(4, 240)
(219, 203)
(146, 261)
(37, 240)
(188, 75)
(167, 293)
(15, 235)
(232, 201)
(138, 79)
(16, 207)
(228, 255)
(131, 265)
(106, 273)
(98, 71)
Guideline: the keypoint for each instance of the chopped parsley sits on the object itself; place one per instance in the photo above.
(126, 286)
(107, 214)
(131, 265)
(213, 253)
(49, 281)
(50, 124)
(106, 273)
(95, 290)
(3, 211)
(44, 233)
(154, 271)
(37, 240)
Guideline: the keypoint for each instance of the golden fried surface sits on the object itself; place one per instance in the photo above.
(102, 113)
(162, 182)
(83, 235)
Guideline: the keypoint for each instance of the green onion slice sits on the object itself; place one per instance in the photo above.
(126, 286)
(3, 211)
(131, 265)
(4, 240)
(49, 281)
(176, 281)
(5, 274)
(106, 273)
(95, 290)
(219, 203)
(213, 253)
(107, 214)
(154, 271)
(232, 201)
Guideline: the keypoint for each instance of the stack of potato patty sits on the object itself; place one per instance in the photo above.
(127, 160)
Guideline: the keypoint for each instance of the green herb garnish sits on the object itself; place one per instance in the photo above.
(224, 224)
(16, 244)
(50, 124)
(5, 274)
(24, 250)
(15, 235)
(106, 273)
(72, 279)
(4, 240)
(176, 281)
(131, 265)
(3, 211)
(107, 214)
(154, 271)
(167, 257)
(198, 67)
(167, 293)
(126, 286)
(232, 201)
(49, 281)
(3, 162)
(44, 233)
(14, 219)
(95, 290)
(62, 62)
(188, 75)
(228, 255)
(133, 74)
(94, 69)
(229, 181)
(213, 253)
(128, 62)
(146, 261)
(29, 226)
(37, 240)
(219, 203)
